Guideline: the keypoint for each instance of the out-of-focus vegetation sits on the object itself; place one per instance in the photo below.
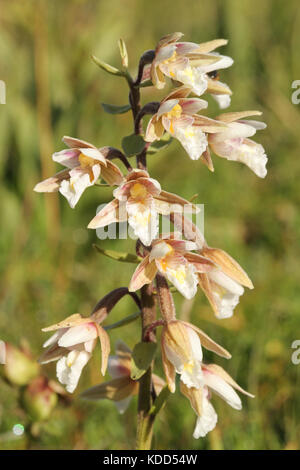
(49, 269)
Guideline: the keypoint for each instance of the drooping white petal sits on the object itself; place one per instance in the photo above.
(69, 368)
(193, 140)
(223, 389)
(122, 405)
(207, 421)
(226, 293)
(223, 101)
(79, 180)
(78, 334)
(194, 77)
(143, 219)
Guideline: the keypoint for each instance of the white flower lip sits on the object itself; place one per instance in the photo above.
(69, 368)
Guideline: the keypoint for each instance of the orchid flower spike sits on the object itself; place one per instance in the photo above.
(121, 388)
(234, 143)
(217, 380)
(182, 353)
(72, 345)
(187, 62)
(172, 257)
(140, 200)
(85, 163)
(177, 115)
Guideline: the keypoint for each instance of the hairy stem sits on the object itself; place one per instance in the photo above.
(145, 420)
(145, 400)
(165, 298)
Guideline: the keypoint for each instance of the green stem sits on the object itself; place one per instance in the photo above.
(124, 321)
(145, 420)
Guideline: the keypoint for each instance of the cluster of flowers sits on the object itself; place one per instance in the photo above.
(186, 264)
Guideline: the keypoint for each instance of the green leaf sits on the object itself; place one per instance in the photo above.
(113, 109)
(142, 356)
(145, 84)
(133, 144)
(160, 401)
(159, 144)
(123, 52)
(108, 68)
(119, 256)
(124, 321)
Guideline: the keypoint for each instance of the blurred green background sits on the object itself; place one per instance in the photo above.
(49, 269)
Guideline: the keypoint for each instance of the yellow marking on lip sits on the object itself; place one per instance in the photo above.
(188, 367)
(189, 133)
(138, 191)
(175, 112)
(180, 275)
(87, 163)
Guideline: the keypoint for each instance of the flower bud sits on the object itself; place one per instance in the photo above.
(19, 368)
(40, 399)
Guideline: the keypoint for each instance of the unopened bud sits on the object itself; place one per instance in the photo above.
(123, 52)
(40, 399)
(19, 368)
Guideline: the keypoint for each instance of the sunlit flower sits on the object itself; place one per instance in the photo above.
(187, 62)
(72, 345)
(121, 388)
(85, 163)
(215, 379)
(173, 258)
(140, 200)
(224, 285)
(177, 115)
(234, 143)
(20, 367)
(182, 353)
